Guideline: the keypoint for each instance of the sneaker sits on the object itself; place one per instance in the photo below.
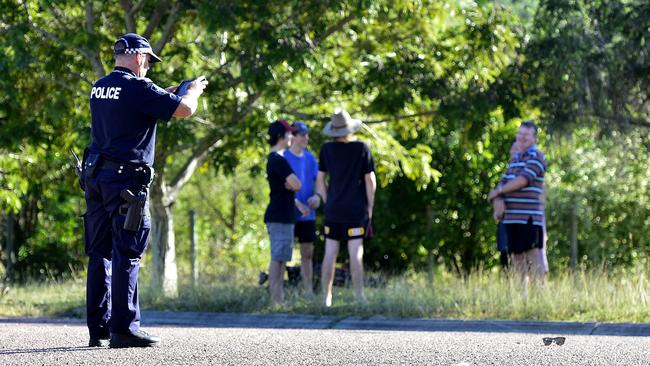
(138, 338)
(98, 342)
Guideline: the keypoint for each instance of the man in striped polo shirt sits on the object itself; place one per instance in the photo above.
(519, 204)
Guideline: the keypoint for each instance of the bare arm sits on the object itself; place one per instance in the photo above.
(371, 188)
(514, 185)
(293, 183)
(499, 207)
(321, 189)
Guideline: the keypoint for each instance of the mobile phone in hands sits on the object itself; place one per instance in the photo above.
(185, 85)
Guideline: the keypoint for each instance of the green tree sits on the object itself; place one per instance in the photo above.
(605, 180)
(441, 90)
(248, 50)
(587, 64)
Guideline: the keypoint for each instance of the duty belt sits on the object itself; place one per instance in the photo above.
(142, 174)
(120, 167)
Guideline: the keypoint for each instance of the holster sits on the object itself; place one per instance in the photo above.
(136, 202)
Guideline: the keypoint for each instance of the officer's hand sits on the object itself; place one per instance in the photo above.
(197, 85)
(171, 89)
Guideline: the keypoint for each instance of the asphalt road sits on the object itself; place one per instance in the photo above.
(254, 340)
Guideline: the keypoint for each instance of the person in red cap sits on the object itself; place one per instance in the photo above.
(280, 216)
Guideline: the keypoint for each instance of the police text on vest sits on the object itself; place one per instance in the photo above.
(101, 92)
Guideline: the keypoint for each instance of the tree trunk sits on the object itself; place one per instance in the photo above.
(164, 276)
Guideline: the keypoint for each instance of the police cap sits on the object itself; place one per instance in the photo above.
(131, 43)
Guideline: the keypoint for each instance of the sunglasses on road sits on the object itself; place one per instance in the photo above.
(550, 340)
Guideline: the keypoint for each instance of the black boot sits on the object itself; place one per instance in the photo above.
(98, 342)
(138, 338)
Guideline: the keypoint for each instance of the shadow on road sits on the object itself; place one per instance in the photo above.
(378, 323)
(47, 350)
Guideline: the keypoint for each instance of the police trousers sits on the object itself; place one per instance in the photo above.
(114, 256)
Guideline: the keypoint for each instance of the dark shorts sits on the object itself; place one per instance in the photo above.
(342, 231)
(305, 231)
(524, 237)
(502, 238)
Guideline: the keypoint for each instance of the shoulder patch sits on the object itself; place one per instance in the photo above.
(157, 89)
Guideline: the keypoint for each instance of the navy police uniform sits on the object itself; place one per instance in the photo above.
(125, 109)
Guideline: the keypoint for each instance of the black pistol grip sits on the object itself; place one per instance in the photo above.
(126, 195)
(135, 211)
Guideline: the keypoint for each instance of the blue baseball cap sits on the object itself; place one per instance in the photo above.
(131, 43)
(300, 128)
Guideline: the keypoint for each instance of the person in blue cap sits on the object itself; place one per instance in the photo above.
(305, 166)
(117, 171)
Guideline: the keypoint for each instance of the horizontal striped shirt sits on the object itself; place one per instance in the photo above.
(527, 203)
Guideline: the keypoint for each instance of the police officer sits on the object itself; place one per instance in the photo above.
(117, 172)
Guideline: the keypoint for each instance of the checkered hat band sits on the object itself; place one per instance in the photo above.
(136, 50)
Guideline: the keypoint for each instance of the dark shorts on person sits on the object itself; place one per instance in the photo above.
(502, 238)
(305, 231)
(342, 231)
(523, 237)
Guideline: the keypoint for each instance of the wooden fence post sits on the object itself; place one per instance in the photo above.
(574, 237)
(430, 259)
(194, 239)
(9, 248)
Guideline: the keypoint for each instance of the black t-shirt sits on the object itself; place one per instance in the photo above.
(346, 164)
(281, 204)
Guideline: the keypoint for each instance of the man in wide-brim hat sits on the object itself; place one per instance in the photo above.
(341, 124)
(348, 199)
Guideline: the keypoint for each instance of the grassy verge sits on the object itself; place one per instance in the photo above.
(44, 299)
(585, 296)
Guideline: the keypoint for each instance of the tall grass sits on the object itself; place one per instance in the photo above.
(44, 299)
(595, 295)
(584, 296)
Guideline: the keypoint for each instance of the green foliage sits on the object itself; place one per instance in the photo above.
(229, 224)
(587, 63)
(48, 228)
(12, 184)
(441, 87)
(450, 220)
(605, 181)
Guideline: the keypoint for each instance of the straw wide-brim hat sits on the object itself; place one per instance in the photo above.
(341, 124)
